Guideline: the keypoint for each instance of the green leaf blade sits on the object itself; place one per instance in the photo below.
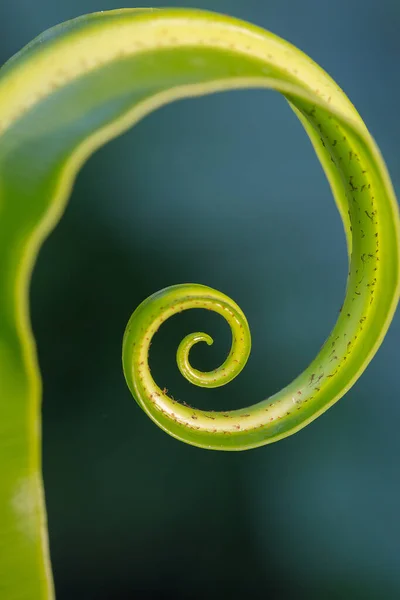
(85, 82)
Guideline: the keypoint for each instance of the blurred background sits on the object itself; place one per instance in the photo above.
(199, 191)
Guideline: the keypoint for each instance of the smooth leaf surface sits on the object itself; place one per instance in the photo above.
(67, 93)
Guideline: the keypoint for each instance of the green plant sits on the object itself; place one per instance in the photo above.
(71, 90)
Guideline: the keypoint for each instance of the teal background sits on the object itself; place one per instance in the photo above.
(225, 191)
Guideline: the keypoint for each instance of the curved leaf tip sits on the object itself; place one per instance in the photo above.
(71, 90)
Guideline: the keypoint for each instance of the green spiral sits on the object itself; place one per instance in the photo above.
(83, 83)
